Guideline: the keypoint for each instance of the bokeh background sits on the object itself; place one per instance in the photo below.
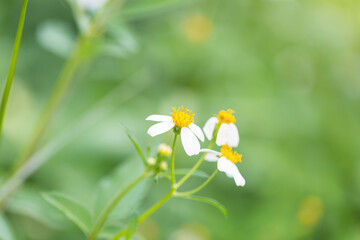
(289, 68)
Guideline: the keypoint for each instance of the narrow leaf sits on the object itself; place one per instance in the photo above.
(197, 173)
(208, 201)
(136, 145)
(71, 209)
(5, 230)
(132, 227)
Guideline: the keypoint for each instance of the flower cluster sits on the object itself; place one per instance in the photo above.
(220, 128)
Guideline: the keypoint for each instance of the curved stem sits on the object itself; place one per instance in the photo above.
(173, 161)
(195, 167)
(148, 213)
(12, 68)
(201, 186)
(104, 216)
(55, 98)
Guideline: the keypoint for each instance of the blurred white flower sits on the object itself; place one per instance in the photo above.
(183, 122)
(91, 5)
(228, 133)
(226, 160)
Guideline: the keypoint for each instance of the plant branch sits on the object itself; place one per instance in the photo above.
(12, 68)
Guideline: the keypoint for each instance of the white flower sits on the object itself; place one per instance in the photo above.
(182, 120)
(228, 133)
(226, 160)
(91, 5)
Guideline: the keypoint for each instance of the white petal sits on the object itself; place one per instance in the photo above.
(211, 157)
(190, 142)
(226, 166)
(239, 179)
(223, 134)
(233, 136)
(210, 151)
(160, 128)
(197, 130)
(210, 126)
(159, 118)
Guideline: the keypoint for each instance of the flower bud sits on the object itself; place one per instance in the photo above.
(151, 161)
(163, 166)
(164, 150)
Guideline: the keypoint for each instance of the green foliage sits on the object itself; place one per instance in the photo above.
(207, 200)
(132, 227)
(5, 231)
(136, 145)
(72, 209)
(197, 173)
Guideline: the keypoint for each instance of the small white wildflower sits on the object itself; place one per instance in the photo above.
(183, 120)
(228, 133)
(226, 160)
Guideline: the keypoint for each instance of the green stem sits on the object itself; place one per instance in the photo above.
(195, 167)
(55, 98)
(173, 161)
(12, 68)
(201, 186)
(148, 213)
(104, 216)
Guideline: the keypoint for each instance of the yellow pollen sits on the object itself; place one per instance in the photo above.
(226, 116)
(227, 152)
(182, 118)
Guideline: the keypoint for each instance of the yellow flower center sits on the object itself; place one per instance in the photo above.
(227, 152)
(182, 118)
(226, 116)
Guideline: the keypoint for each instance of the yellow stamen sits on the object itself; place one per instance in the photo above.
(227, 152)
(182, 118)
(226, 116)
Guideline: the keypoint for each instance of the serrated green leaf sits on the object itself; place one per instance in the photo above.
(71, 209)
(5, 231)
(197, 173)
(132, 227)
(207, 200)
(136, 145)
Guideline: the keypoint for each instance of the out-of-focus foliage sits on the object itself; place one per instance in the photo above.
(289, 68)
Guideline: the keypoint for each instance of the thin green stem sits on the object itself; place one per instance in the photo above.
(12, 68)
(173, 161)
(104, 216)
(148, 213)
(201, 186)
(195, 167)
(55, 98)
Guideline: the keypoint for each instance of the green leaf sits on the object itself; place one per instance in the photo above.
(208, 201)
(57, 37)
(197, 173)
(136, 145)
(27, 202)
(132, 227)
(111, 185)
(71, 209)
(5, 231)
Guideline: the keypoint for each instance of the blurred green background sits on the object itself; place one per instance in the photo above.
(289, 68)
